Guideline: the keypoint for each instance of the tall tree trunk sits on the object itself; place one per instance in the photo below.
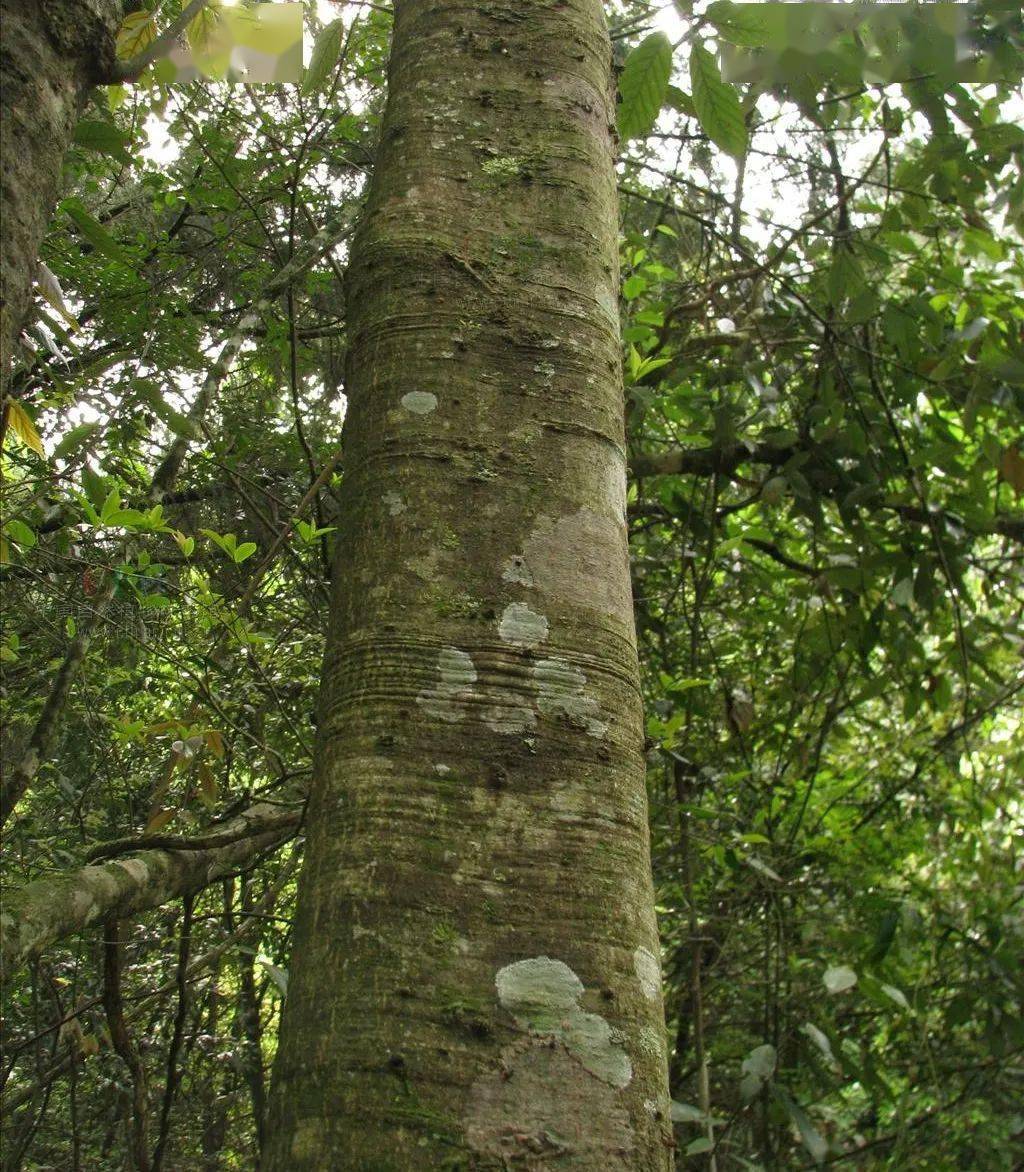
(475, 982)
(52, 52)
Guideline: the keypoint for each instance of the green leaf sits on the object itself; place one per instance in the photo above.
(643, 85)
(324, 57)
(75, 438)
(845, 277)
(19, 532)
(717, 104)
(813, 1140)
(740, 24)
(95, 233)
(699, 1145)
(111, 506)
(685, 1113)
(245, 550)
(97, 135)
(680, 101)
(278, 975)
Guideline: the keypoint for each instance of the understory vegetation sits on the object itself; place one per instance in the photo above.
(823, 347)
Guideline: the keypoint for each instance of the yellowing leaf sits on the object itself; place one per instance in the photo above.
(24, 428)
(1011, 468)
(137, 33)
(158, 821)
(202, 26)
(207, 785)
(214, 742)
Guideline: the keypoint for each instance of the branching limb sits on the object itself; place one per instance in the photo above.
(58, 905)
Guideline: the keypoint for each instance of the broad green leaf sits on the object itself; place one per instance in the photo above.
(75, 438)
(643, 85)
(761, 1061)
(740, 24)
(202, 27)
(685, 1113)
(845, 277)
(699, 1145)
(813, 1140)
(717, 104)
(96, 135)
(278, 975)
(245, 550)
(95, 233)
(19, 532)
(680, 101)
(324, 57)
(897, 995)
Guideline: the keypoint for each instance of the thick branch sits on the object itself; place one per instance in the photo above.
(58, 905)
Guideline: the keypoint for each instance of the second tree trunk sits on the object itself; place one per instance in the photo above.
(474, 981)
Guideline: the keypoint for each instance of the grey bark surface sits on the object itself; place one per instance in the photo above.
(55, 906)
(51, 53)
(475, 981)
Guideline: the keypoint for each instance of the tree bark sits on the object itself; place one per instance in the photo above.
(475, 981)
(52, 53)
(54, 906)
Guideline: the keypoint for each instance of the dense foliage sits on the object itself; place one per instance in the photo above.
(823, 339)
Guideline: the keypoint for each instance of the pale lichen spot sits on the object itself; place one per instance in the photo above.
(446, 700)
(442, 770)
(136, 868)
(510, 719)
(394, 504)
(419, 402)
(536, 990)
(521, 626)
(560, 692)
(543, 996)
(581, 558)
(648, 972)
(516, 570)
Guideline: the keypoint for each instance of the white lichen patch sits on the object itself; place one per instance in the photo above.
(543, 996)
(136, 868)
(521, 626)
(516, 570)
(581, 559)
(560, 692)
(615, 486)
(442, 770)
(394, 504)
(510, 719)
(648, 972)
(608, 299)
(447, 699)
(419, 402)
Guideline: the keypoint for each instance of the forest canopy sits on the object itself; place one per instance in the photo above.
(821, 265)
